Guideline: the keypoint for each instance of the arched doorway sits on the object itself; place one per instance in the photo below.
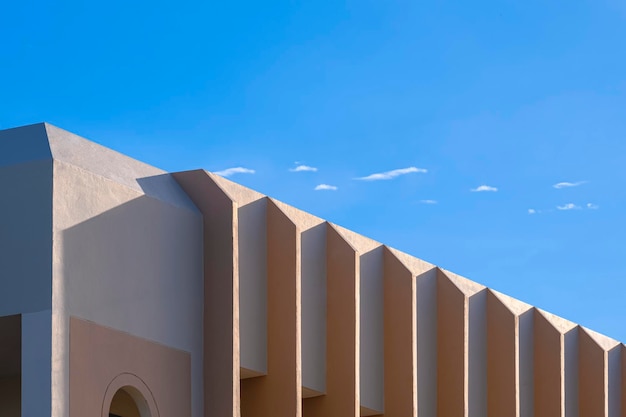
(128, 402)
(128, 396)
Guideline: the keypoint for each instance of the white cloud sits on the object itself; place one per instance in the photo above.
(303, 168)
(392, 174)
(566, 184)
(323, 187)
(236, 170)
(428, 201)
(532, 211)
(483, 188)
(568, 206)
(592, 206)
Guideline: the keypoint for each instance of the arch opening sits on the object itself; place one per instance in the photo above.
(128, 402)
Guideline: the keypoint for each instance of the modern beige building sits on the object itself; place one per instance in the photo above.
(133, 292)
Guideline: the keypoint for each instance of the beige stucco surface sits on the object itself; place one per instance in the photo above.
(99, 355)
(342, 332)
(126, 260)
(280, 392)
(451, 346)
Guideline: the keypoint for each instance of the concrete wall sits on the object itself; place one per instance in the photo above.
(128, 261)
(372, 335)
(253, 286)
(426, 333)
(37, 364)
(127, 255)
(314, 309)
(106, 360)
(25, 236)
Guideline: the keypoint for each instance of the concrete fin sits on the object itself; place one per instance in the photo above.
(515, 306)
(452, 345)
(301, 219)
(222, 357)
(562, 325)
(592, 376)
(342, 329)
(605, 342)
(313, 277)
(238, 193)
(465, 285)
(623, 376)
(413, 264)
(360, 243)
(279, 393)
(501, 358)
(400, 338)
(548, 367)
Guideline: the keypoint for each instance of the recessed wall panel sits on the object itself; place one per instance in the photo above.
(253, 285)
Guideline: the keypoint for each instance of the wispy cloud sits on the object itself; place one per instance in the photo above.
(532, 211)
(483, 188)
(592, 206)
(568, 206)
(392, 174)
(303, 168)
(235, 170)
(566, 184)
(428, 201)
(326, 187)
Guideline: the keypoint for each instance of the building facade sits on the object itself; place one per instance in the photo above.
(133, 292)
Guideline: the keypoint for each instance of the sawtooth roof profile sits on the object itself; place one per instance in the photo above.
(129, 291)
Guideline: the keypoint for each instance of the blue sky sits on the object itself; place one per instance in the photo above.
(515, 95)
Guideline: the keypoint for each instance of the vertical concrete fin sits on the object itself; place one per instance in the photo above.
(466, 286)
(560, 324)
(221, 292)
(526, 340)
(253, 265)
(372, 331)
(236, 192)
(594, 372)
(452, 346)
(605, 342)
(342, 376)
(623, 390)
(549, 368)
(514, 305)
(477, 381)
(413, 264)
(614, 358)
(280, 392)
(426, 333)
(312, 267)
(359, 243)
(462, 335)
(400, 338)
(303, 220)
(571, 372)
(592, 376)
(502, 353)
(313, 264)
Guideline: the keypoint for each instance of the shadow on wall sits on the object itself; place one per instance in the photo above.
(10, 366)
(165, 188)
(130, 267)
(138, 268)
